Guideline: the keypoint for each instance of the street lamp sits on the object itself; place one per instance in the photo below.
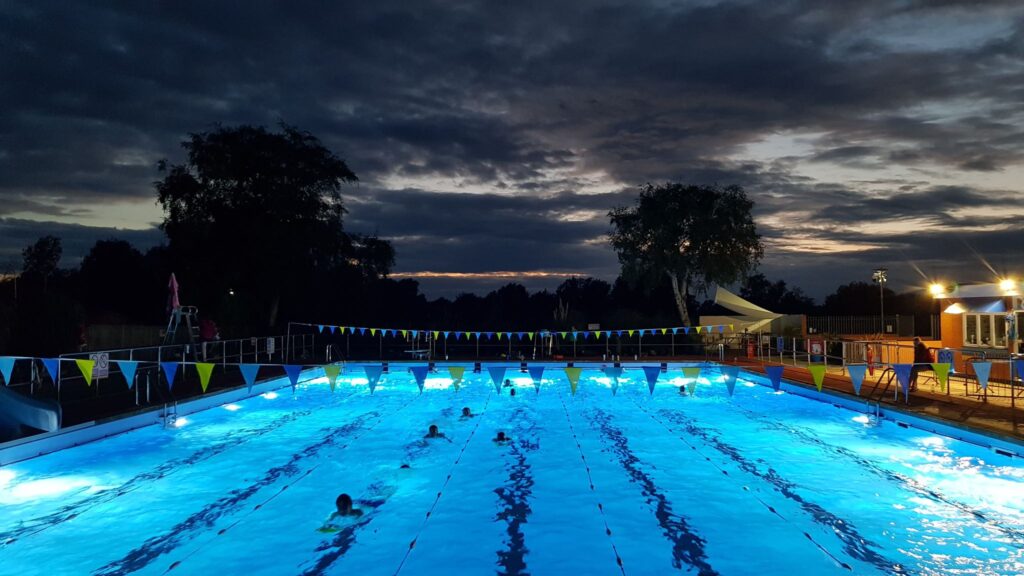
(880, 276)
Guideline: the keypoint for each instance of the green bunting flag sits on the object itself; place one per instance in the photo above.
(630, 332)
(818, 373)
(332, 371)
(941, 370)
(691, 373)
(456, 373)
(86, 367)
(573, 374)
(373, 331)
(698, 329)
(204, 369)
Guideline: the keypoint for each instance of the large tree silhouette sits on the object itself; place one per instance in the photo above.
(254, 215)
(693, 236)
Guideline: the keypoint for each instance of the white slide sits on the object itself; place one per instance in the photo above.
(22, 415)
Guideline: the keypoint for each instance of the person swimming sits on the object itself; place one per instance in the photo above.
(501, 438)
(512, 392)
(343, 505)
(433, 432)
(466, 412)
(508, 383)
(682, 390)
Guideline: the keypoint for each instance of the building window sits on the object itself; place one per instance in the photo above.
(985, 330)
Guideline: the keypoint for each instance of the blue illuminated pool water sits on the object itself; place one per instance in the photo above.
(759, 483)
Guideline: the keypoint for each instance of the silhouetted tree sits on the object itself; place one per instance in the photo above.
(259, 214)
(855, 298)
(776, 296)
(692, 235)
(41, 259)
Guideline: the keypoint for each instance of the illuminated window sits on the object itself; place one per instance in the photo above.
(971, 330)
(999, 327)
(985, 330)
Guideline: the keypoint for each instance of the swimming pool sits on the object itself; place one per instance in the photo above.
(591, 483)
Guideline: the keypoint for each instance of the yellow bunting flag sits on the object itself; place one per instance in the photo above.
(373, 331)
(597, 335)
(342, 329)
(573, 374)
(663, 330)
(467, 335)
(630, 332)
(456, 373)
(86, 367)
(818, 373)
(332, 371)
(731, 329)
(404, 332)
(531, 335)
(436, 332)
(941, 370)
(204, 369)
(698, 329)
(691, 373)
(500, 334)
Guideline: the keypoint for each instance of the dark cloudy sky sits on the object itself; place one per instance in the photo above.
(491, 138)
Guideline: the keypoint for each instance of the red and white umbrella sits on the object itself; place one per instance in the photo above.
(172, 297)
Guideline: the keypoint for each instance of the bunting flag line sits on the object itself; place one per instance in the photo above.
(903, 375)
(941, 370)
(573, 374)
(652, 373)
(818, 373)
(86, 366)
(613, 373)
(293, 371)
(857, 372)
(332, 371)
(249, 372)
(536, 374)
(420, 374)
(52, 366)
(373, 375)
(456, 373)
(982, 370)
(730, 373)
(204, 369)
(6, 367)
(774, 373)
(497, 376)
(128, 368)
(691, 373)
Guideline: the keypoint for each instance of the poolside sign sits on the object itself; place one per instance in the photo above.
(101, 368)
(652, 372)
(856, 372)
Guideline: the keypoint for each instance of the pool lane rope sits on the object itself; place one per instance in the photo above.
(77, 509)
(433, 506)
(590, 480)
(675, 434)
(281, 490)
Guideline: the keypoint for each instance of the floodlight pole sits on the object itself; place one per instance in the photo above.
(880, 276)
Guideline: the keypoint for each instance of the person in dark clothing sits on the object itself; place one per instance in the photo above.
(922, 361)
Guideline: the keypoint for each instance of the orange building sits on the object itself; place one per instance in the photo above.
(981, 321)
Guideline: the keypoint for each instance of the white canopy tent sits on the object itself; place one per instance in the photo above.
(750, 316)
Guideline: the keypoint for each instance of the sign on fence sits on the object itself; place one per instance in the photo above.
(270, 345)
(101, 368)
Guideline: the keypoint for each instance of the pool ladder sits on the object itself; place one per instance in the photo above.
(169, 415)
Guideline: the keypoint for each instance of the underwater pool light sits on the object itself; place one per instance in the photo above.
(269, 395)
(232, 407)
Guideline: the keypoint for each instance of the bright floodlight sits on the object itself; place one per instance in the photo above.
(1008, 286)
(937, 289)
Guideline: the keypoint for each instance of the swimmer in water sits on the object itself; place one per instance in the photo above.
(508, 383)
(512, 392)
(466, 412)
(682, 390)
(433, 432)
(501, 438)
(343, 505)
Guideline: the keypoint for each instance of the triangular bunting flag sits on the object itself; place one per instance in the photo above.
(373, 331)
(652, 372)
(404, 333)
(86, 368)
(128, 368)
(663, 331)
(698, 329)
(982, 370)
(249, 372)
(456, 373)
(721, 329)
(497, 376)
(530, 334)
(692, 373)
(613, 373)
(6, 366)
(730, 373)
(170, 369)
(293, 371)
(420, 374)
(436, 333)
(818, 374)
(53, 368)
(204, 369)
(686, 330)
(774, 375)
(573, 374)
(630, 332)
(903, 372)
(941, 370)
(333, 328)
(373, 375)
(320, 327)
(332, 371)
(597, 335)
(857, 372)
(536, 374)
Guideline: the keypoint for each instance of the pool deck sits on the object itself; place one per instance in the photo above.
(993, 416)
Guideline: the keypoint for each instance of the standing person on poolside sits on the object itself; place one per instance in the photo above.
(922, 361)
